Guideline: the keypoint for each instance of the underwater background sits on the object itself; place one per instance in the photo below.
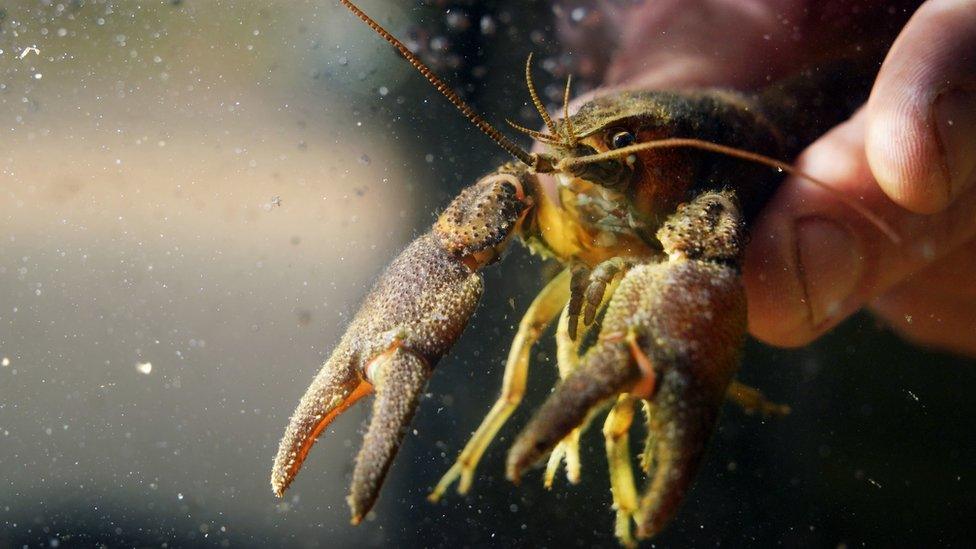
(194, 197)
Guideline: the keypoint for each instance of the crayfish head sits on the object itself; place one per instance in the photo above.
(612, 174)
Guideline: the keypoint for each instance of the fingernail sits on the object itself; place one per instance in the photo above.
(954, 115)
(830, 265)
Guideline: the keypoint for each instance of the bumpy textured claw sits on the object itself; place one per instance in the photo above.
(400, 380)
(604, 373)
(411, 318)
(671, 335)
(336, 387)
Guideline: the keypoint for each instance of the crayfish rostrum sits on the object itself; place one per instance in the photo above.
(649, 215)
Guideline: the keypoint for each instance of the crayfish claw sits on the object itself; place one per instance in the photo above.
(679, 424)
(602, 375)
(400, 378)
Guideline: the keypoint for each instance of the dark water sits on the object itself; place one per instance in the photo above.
(210, 188)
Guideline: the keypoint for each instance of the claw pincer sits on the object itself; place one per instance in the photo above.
(411, 318)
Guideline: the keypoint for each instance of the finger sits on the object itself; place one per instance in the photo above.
(937, 306)
(921, 137)
(953, 274)
(672, 43)
(813, 261)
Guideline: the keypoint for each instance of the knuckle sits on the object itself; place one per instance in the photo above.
(481, 218)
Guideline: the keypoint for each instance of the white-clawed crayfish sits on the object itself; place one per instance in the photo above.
(655, 193)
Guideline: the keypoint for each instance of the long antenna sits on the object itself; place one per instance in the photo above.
(673, 142)
(482, 124)
(535, 97)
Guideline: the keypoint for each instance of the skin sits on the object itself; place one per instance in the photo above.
(909, 154)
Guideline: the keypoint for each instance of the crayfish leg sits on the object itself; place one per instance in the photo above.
(567, 358)
(537, 317)
(616, 433)
(753, 401)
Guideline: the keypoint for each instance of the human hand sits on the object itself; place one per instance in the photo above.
(909, 155)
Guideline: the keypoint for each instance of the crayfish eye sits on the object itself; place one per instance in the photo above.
(622, 139)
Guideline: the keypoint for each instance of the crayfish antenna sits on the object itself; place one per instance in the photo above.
(568, 163)
(534, 95)
(505, 143)
(567, 120)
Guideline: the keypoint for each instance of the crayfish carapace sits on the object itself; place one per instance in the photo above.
(653, 198)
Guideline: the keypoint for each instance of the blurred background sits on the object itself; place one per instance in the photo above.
(194, 196)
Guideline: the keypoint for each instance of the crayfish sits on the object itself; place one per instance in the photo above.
(649, 203)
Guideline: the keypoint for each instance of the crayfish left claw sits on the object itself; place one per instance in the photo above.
(670, 337)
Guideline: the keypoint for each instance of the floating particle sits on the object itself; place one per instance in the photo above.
(458, 20)
(487, 25)
(144, 368)
(439, 44)
(5, 362)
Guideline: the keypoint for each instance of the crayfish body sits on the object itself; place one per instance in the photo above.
(649, 307)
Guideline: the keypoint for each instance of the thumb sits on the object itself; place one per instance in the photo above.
(813, 260)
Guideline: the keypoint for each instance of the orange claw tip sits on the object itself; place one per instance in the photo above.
(317, 409)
